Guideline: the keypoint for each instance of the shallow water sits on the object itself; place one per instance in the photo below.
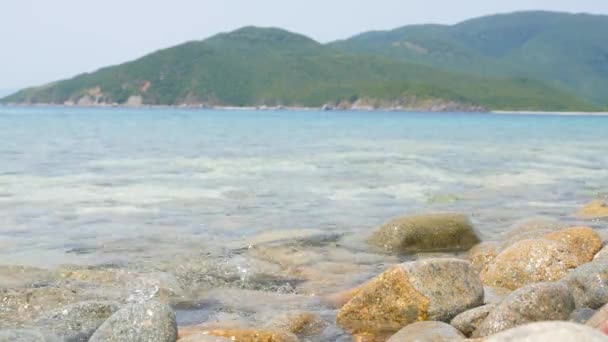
(129, 186)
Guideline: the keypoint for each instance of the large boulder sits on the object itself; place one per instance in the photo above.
(530, 261)
(589, 284)
(426, 233)
(151, 321)
(532, 228)
(433, 289)
(75, 322)
(594, 210)
(533, 303)
(584, 242)
(427, 331)
(548, 332)
(469, 321)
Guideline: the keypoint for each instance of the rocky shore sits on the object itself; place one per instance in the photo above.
(542, 281)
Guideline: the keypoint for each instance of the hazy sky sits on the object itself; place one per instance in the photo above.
(45, 40)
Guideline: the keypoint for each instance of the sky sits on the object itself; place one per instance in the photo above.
(47, 40)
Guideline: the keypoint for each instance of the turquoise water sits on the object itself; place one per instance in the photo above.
(125, 185)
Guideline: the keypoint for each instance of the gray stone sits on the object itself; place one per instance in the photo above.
(581, 315)
(589, 285)
(143, 322)
(76, 322)
(549, 332)
(468, 321)
(22, 335)
(533, 303)
(426, 233)
(427, 331)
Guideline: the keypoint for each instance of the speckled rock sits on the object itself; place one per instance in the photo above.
(581, 315)
(151, 321)
(530, 261)
(584, 242)
(426, 233)
(468, 321)
(594, 210)
(24, 304)
(23, 335)
(532, 228)
(427, 331)
(239, 334)
(533, 303)
(599, 320)
(589, 285)
(299, 323)
(548, 332)
(482, 254)
(75, 322)
(433, 289)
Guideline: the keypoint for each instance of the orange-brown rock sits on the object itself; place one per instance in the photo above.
(433, 289)
(530, 261)
(584, 242)
(594, 210)
(482, 254)
(239, 334)
(299, 323)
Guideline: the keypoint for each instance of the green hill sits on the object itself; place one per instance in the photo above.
(565, 51)
(501, 62)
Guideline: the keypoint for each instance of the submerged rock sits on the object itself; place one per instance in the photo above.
(238, 334)
(426, 233)
(434, 289)
(530, 261)
(594, 210)
(581, 315)
(584, 242)
(142, 322)
(24, 304)
(427, 331)
(203, 338)
(468, 321)
(76, 322)
(589, 285)
(299, 323)
(24, 335)
(548, 332)
(533, 303)
(16, 276)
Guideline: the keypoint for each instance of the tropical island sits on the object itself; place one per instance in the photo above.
(524, 61)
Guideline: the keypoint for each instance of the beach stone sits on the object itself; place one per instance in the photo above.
(584, 242)
(239, 334)
(532, 228)
(581, 315)
(23, 335)
(594, 210)
(548, 332)
(427, 331)
(495, 295)
(468, 321)
(482, 254)
(76, 322)
(24, 304)
(151, 321)
(589, 285)
(433, 289)
(533, 303)
(299, 323)
(530, 261)
(203, 338)
(426, 233)
(600, 320)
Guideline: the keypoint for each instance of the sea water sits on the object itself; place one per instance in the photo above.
(94, 185)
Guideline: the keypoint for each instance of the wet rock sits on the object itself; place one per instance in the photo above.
(594, 210)
(427, 331)
(584, 242)
(468, 321)
(426, 233)
(434, 289)
(530, 261)
(581, 315)
(75, 322)
(548, 332)
(15, 276)
(151, 321)
(589, 285)
(532, 228)
(600, 320)
(203, 338)
(482, 254)
(23, 335)
(299, 323)
(533, 303)
(249, 301)
(22, 305)
(338, 299)
(238, 334)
